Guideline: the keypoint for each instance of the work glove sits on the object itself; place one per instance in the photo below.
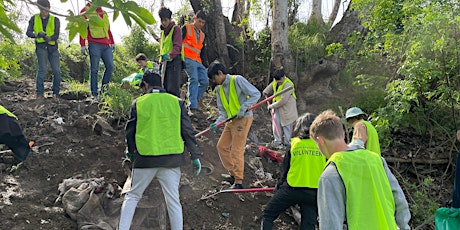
(113, 47)
(213, 127)
(165, 57)
(84, 50)
(270, 107)
(196, 166)
(40, 35)
(240, 114)
(47, 39)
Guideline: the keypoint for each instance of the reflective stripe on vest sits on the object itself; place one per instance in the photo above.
(155, 111)
(96, 29)
(231, 106)
(166, 44)
(191, 46)
(369, 205)
(38, 27)
(3, 110)
(281, 87)
(372, 143)
(306, 165)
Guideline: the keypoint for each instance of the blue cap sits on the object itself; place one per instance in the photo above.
(353, 112)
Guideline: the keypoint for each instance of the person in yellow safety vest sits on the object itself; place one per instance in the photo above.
(284, 109)
(143, 63)
(356, 187)
(11, 135)
(98, 44)
(44, 28)
(170, 51)
(364, 133)
(234, 96)
(193, 46)
(302, 164)
(156, 132)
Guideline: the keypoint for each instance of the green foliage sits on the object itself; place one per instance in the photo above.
(263, 51)
(19, 64)
(422, 203)
(116, 103)
(130, 10)
(78, 87)
(136, 42)
(6, 24)
(125, 65)
(308, 40)
(415, 45)
(336, 49)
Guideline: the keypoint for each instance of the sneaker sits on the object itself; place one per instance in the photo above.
(236, 186)
(230, 179)
(39, 96)
(277, 146)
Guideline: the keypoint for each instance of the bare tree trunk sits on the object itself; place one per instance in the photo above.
(221, 37)
(196, 5)
(281, 55)
(237, 16)
(335, 11)
(316, 11)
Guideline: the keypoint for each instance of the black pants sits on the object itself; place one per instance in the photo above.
(172, 77)
(18, 144)
(286, 197)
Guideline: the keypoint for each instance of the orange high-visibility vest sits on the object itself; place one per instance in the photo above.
(191, 46)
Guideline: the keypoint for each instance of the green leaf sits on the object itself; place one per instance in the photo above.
(127, 18)
(138, 20)
(145, 15)
(7, 34)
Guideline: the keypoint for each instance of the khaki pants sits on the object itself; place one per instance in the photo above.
(231, 146)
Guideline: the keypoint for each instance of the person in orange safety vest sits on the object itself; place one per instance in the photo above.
(193, 44)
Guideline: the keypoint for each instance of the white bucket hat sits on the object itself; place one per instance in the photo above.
(353, 112)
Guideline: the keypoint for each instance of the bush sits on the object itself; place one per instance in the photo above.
(116, 103)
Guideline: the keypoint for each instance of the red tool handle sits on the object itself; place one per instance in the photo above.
(244, 190)
(250, 108)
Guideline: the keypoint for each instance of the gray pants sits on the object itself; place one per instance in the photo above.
(285, 131)
(169, 179)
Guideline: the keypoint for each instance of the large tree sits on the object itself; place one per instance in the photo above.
(281, 55)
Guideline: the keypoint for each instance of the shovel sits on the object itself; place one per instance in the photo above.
(163, 72)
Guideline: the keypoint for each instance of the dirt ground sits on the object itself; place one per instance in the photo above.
(72, 141)
(78, 147)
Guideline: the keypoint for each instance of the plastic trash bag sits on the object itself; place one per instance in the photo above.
(447, 219)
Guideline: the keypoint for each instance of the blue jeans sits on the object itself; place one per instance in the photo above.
(43, 56)
(96, 53)
(198, 81)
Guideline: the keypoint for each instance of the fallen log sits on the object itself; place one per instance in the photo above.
(417, 161)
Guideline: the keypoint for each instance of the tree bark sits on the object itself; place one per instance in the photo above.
(221, 37)
(196, 5)
(335, 11)
(281, 55)
(237, 16)
(316, 10)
